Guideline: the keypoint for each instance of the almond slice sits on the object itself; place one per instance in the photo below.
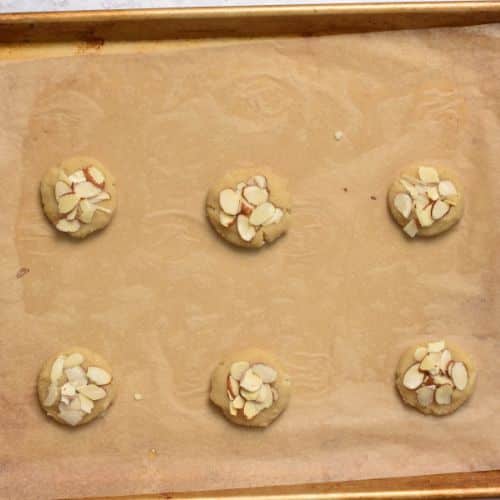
(250, 381)
(431, 362)
(52, 395)
(226, 220)
(86, 404)
(249, 396)
(86, 212)
(459, 375)
(255, 195)
(72, 214)
(245, 230)
(67, 203)
(441, 380)
(238, 369)
(56, 371)
(450, 368)
(103, 209)
(230, 201)
(278, 215)
(75, 373)
(262, 214)
(232, 410)
(409, 187)
(77, 177)
(420, 353)
(233, 386)
(92, 392)
(94, 175)
(98, 375)
(436, 346)
(68, 226)
(425, 395)
(60, 189)
(428, 174)
(403, 204)
(71, 417)
(102, 196)
(265, 396)
(252, 409)
(433, 193)
(86, 189)
(266, 373)
(246, 208)
(411, 229)
(75, 404)
(447, 188)
(67, 390)
(443, 394)
(238, 402)
(424, 215)
(275, 393)
(240, 187)
(413, 377)
(440, 209)
(64, 178)
(444, 361)
(261, 181)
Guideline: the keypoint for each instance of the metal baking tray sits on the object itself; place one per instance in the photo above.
(34, 36)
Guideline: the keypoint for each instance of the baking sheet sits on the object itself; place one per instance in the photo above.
(338, 299)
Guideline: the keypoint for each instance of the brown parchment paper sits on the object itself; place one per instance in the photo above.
(162, 297)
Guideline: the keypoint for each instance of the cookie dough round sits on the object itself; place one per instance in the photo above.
(249, 207)
(426, 200)
(75, 386)
(267, 388)
(78, 196)
(436, 378)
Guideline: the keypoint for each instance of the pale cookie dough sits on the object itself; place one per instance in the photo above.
(249, 207)
(75, 386)
(79, 196)
(250, 387)
(435, 378)
(426, 200)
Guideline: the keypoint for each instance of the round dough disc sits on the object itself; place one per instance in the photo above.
(100, 219)
(278, 196)
(458, 398)
(90, 359)
(219, 396)
(440, 226)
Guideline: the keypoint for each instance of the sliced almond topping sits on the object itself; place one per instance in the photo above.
(86, 404)
(102, 196)
(245, 230)
(246, 208)
(240, 187)
(450, 368)
(440, 209)
(233, 386)
(431, 362)
(444, 361)
(56, 371)
(262, 214)
(67, 203)
(238, 369)
(60, 189)
(422, 201)
(265, 396)
(71, 417)
(425, 395)
(266, 373)
(103, 209)
(232, 410)
(424, 216)
(278, 215)
(250, 381)
(86, 190)
(230, 201)
(94, 175)
(451, 202)
(68, 226)
(77, 177)
(428, 174)
(255, 195)
(403, 204)
(275, 393)
(72, 214)
(226, 220)
(238, 402)
(413, 377)
(249, 396)
(229, 395)
(433, 193)
(447, 188)
(459, 375)
(441, 380)
(75, 404)
(260, 180)
(420, 353)
(436, 346)
(92, 391)
(67, 390)
(52, 395)
(252, 409)
(86, 211)
(409, 187)
(411, 229)
(98, 375)
(64, 178)
(443, 394)
(75, 373)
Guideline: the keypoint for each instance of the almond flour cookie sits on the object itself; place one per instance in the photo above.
(426, 201)
(249, 207)
(75, 386)
(251, 388)
(79, 196)
(436, 379)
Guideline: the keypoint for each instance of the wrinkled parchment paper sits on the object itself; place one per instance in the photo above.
(338, 299)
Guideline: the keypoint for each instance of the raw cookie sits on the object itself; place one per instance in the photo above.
(79, 196)
(75, 386)
(426, 200)
(249, 207)
(267, 388)
(436, 378)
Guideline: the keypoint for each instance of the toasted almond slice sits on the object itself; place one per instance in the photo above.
(444, 361)
(94, 175)
(75, 373)
(92, 391)
(72, 215)
(246, 208)
(78, 382)
(439, 209)
(67, 390)
(98, 375)
(433, 193)
(413, 378)
(403, 204)
(447, 188)
(424, 215)
(441, 380)
(86, 212)
(226, 220)
(431, 362)
(232, 410)
(250, 381)
(428, 174)
(68, 226)
(238, 369)
(265, 396)
(86, 404)
(102, 196)
(266, 373)
(278, 215)
(452, 202)
(459, 375)
(245, 230)
(409, 187)
(411, 229)
(240, 187)
(86, 189)
(450, 368)
(230, 201)
(255, 195)
(261, 181)
(61, 188)
(77, 177)
(56, 371)
(422, 201)
(249, 396)
(233, 386)
(229, 395)
(436, 346)
(425, 395)
(238, 402)
(75, 404)
(443, 394)
(103, 209)
(262, 214)
(62, 176)
(252, 409)
(275, 393)
(420, 353)
(67, 203)
(52, 395)
(71, 417)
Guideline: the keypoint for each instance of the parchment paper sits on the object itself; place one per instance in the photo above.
(162, 297)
